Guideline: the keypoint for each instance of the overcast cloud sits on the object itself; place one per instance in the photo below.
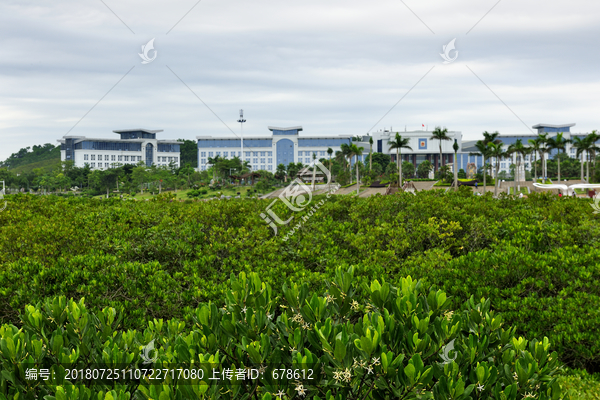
(334, 67)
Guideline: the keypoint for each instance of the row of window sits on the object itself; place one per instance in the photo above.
(310, 153)
(239, 153)
(254, 167)
(92, 157)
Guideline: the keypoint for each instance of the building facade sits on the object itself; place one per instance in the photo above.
(281, 146)
(133, 146)
(464, 159)
(422, 146)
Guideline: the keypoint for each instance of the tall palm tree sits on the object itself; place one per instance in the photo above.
(455, 147)
(559, 143)
(536, 147)
(542, 138)
(440, 134)
(346, 150)
(593, 149)
(581, 145)
(399, 143)
(370, 153)
(491, 137)
(497, 152)
(483, 150)
(519, 150)
(356, 151)
(330, 152)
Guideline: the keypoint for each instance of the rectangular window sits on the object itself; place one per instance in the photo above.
(239, 153)
(255, 154)
(218, 153)
(210, 153)
(247, 153)
(247, 159)
(262, 167)
(225, 154)
(255, 160)
(105, 165)
(176, 159)
(270, 160)
(85, 157)
(262, 153)
(120, 158)
(126, 158)
(323, 153)
(202, 154)
(94, 158)
(203, 168)
(262, 160)
(270, 153)
(270, 167)
(203, 161)
(139, 158)
(307, 160)
(106, 157)
(300, 154)
(93, 165)
(113, 158)
(170, 159)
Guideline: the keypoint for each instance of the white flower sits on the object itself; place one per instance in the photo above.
(301, 391)
(369, 370)
(480, 387)
(244, 309)
(376, 361)
(270, 316)
(280, 394)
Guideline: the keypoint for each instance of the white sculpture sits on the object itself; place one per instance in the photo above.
(567, 190)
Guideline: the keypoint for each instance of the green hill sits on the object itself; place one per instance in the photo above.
(45, 156)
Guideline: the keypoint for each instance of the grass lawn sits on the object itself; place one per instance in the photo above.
(182, 194)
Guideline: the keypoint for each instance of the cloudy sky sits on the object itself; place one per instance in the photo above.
(334, 67)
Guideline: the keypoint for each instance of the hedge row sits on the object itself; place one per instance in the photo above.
(535, 258)
(401, 342)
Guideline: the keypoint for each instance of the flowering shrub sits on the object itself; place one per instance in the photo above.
(399, 342)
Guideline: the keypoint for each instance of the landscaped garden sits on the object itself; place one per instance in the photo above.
(370, 290)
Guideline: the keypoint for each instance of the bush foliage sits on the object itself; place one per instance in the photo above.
(536, 259)
(390, 345)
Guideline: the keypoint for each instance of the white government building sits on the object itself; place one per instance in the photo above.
(281, 146)
(134, 145)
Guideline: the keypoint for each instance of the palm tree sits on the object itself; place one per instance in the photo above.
(455, 165)
(491, 137)
(330, 152)
(356, 151)
(542, 139)
(483, 150)
(370, 153)
(496, 150)
(440, 134)
(593, 149)
(558, 142)
(399, 143)
(346, 150)
(519, 150)
(314, 157)
(581, 145)
(536, 146)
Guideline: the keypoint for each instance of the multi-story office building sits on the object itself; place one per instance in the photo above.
(134, 145)
(281, 146)
(527, 163)
(422, 146)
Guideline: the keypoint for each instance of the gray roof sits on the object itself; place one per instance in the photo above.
(272, 128)
(552, 126)
(137, 130)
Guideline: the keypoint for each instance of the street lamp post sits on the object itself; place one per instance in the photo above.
(241, 121)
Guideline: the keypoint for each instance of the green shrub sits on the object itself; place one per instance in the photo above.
(393, 342)
(535, 258)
